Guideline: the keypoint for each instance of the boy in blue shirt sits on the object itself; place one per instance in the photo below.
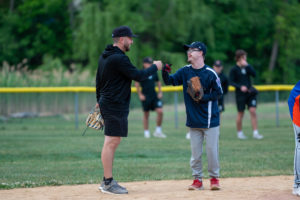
(202, 117)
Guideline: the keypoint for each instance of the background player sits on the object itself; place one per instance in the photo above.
(218, 67)
(245, 93)
(151, 100)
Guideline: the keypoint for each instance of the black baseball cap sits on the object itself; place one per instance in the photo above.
(198, 45)
(122, 31)
(148, 60)
(218, 63)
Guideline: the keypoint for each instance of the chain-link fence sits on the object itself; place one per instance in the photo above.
(31, 102)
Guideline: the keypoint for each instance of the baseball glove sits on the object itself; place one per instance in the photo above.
(252, 91)
(94, 120)
(195, 89)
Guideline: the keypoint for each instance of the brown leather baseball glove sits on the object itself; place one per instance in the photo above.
(195, 89)
(94, 120)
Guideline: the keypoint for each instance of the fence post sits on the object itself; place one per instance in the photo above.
(76, 109)
(176, 109)
(277, 107)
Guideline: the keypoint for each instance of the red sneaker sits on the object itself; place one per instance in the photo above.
(197, 185)
(214, 184)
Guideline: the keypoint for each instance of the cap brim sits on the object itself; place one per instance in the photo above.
(125, 36)
(186, 46)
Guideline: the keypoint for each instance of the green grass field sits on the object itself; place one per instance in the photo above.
(50, 151)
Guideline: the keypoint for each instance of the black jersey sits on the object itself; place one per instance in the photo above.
(148, 86)
(241, 76)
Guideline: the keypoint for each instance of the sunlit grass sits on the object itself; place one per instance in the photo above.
(50, 151)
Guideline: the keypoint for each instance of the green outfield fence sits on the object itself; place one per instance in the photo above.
(168, 89)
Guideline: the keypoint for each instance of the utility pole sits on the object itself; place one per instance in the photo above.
(11, 6)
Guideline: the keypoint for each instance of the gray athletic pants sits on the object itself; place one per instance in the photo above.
(297, 156)
(211, 137)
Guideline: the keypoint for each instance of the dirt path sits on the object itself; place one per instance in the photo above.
(256, 188)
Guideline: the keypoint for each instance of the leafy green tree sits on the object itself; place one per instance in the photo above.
(287, 35)
(8, 41)
(92, 33)
(268, 30)
(37, 28)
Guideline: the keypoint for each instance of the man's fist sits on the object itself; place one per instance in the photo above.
(244, 88)
(158, 64)
(142, 97)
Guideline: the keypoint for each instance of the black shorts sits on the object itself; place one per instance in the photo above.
(151, 104)
(115, 122)
(245, 99)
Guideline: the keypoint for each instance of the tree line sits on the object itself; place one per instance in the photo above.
(75, 32)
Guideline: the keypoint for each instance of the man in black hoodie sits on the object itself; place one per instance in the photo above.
(113, 90)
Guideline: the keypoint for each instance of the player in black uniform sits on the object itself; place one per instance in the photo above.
(151, 100)
(245, 93)
(218, 67)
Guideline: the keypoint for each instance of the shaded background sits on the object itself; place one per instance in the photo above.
(70, 35)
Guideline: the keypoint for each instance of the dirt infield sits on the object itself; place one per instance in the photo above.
(274, 187)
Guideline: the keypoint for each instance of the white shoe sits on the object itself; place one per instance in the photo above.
(258, 136)
(296, 191)
(147, 135)
(188, 136)
(159, 135)
(241, 136)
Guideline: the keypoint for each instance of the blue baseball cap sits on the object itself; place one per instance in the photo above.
(122, 31)
(197, 45)
(148, 60)
(218, 63)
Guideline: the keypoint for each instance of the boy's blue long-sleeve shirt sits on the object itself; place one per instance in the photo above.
(204, 114)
